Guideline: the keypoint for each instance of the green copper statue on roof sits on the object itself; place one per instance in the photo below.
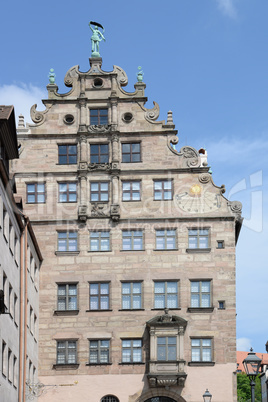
(96, 38)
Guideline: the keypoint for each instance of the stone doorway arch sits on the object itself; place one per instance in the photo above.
(160, 395)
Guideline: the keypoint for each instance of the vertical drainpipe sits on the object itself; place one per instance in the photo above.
(25, 303)
(23, 317)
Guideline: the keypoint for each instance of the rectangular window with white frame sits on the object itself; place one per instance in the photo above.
(198, 238)
(201, 349)
(99, 351)
(99, 296)
(132, 240)
(200, 294)
(163, 190)
(99, 191)
(166, 239)
(131, 350)
(131, 190)
(68, 192)
(67, 296)
(166, 348)
(36, 193)
(99, 241)
(166, 294)
(131, 295)
(67, 241)
(67, 352)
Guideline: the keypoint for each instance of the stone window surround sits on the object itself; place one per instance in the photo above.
(197, 236)
(68, 154)
(132, 239)
(99, 154)
(67, 192)
(131, 191)
(131, 153)
(66, 365)
(165, 238)
(66, 311)
(36, 193)
(166, 294)
(100, 192)
(99, 116)
(99, 296)
(67, 251)
(131, 295)
(162, 190)
(132, 351)
(201, 309)
(203, 363)
(100, 250)
(98, 349)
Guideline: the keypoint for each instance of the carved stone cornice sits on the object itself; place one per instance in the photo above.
(115, 137)
(99, 166)
(105, 128)
(156, 380)
(115, 212)
(97, 210)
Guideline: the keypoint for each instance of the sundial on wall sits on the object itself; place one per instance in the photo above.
(198, 200)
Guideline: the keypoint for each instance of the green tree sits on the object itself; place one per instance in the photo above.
(244, 388)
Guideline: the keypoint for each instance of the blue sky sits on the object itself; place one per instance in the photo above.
(206, 60)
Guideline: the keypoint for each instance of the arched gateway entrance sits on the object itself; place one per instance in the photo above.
(160, 399)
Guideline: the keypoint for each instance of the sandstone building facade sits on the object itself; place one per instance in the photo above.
(20, 261)
(137, 288)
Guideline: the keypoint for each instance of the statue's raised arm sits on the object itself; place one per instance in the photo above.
(96, 38)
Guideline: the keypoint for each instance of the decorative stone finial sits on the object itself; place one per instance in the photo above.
(51, 76)
(96, 38)
(170, 118)
(140, 74)
(21, 121)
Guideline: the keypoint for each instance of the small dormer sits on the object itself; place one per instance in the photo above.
(166, 365)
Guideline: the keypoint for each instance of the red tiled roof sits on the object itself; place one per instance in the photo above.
(240, 356)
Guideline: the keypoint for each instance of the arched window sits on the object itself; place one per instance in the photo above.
(109, 398)
(160, 399)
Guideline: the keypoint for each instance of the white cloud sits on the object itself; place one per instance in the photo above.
(243, 344)
(22, 96)
(227, 7)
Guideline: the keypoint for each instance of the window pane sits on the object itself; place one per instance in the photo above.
(195, 300)
(126, 185)
(195, 342)
(136, 157)
(136, 302)
(194, 286)
(167, 185)
(40, 198)
(104, 304)
(206, 342)
(126, 288)
(40, 188)
(171, 352)
(205, 300)
(126, 158)
(158, 185)
(30, 188)
(104, 186)
(104, 288)
(126, 302)
(172, 301)
(61, 290)
(94, 289)
(159, 301)
(136, 287)
(159, 287)
(94, 186)
(126, 148)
